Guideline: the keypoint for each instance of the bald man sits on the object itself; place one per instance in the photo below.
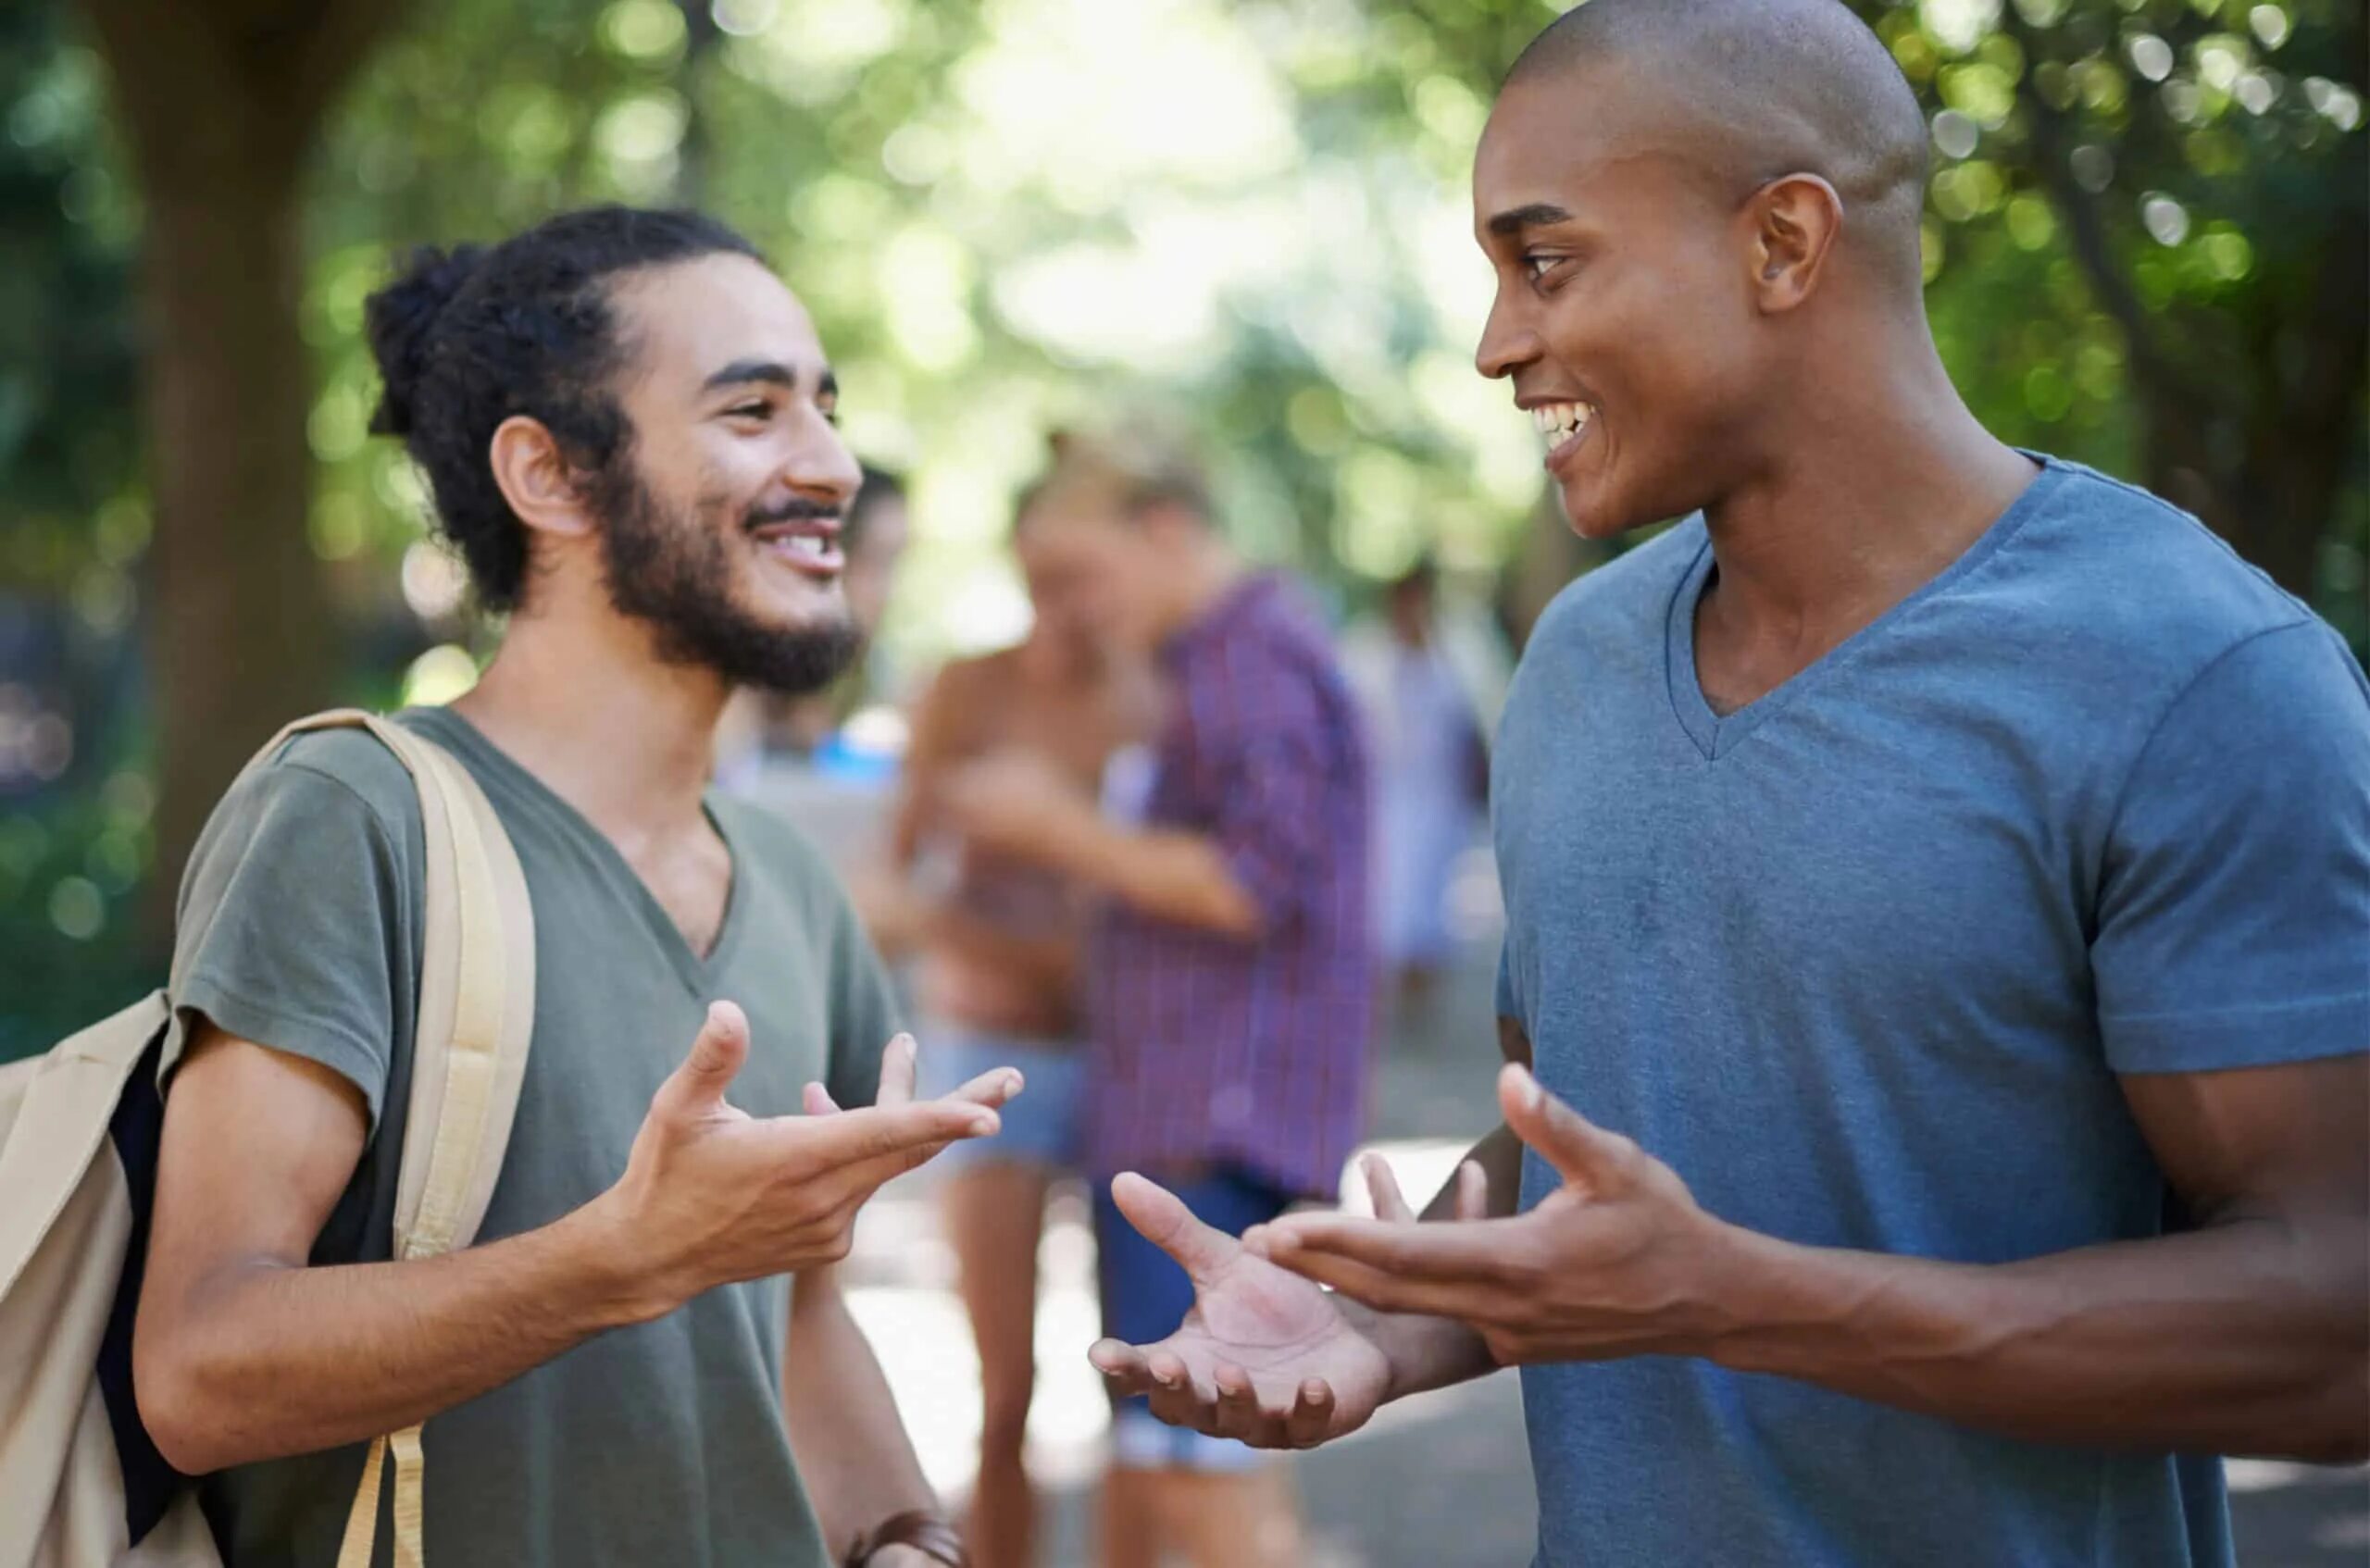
(1936, 876)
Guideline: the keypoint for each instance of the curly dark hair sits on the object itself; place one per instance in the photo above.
(468, 337)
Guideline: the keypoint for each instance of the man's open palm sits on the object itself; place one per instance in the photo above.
(1264, 1356)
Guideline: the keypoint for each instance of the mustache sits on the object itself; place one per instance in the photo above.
(798, 508)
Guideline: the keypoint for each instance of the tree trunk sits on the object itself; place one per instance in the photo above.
(222, 99)
(241, 638)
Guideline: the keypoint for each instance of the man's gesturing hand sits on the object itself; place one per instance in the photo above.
(712, 1195)
(1619, 1261)
(1262, 1356)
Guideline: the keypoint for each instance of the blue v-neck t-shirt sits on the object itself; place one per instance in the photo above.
(1864, 960)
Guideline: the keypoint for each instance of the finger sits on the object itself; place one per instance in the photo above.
(863, 1178)
(993, 1088)
(1176, 1378)
(708, 1070)
(896, 1072)
(817, 1100)
(1239, 1415)
(1477, 1252)
(1163, 1220)
(881, 1134)
(1389, 1203)
(1472, 1199)
(1589, 1159)
(1311, 1421)
(1386, 1292)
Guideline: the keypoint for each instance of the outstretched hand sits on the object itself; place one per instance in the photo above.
(1619, 1261)
(1264, 1356)
(712, 1195)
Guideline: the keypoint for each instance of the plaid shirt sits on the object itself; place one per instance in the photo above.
(1207, 1048)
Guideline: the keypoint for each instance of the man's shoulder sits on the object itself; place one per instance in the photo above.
(343, 773)
(2147, 568)
(2129, 584)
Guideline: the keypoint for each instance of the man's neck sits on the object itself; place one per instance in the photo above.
(626, 739)
(1866, 499)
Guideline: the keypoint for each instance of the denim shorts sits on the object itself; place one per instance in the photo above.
(1040, 1125)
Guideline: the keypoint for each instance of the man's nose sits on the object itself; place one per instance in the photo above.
(821, 466)
(1507, 344)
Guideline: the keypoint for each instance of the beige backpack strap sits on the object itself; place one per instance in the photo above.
(475, 1016)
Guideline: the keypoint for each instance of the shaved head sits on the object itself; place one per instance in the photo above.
(1750, 90)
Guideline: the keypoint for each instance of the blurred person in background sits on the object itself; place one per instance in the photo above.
(995, 937)
(1429, 687)
(626, 422)
(1229, 977)
(1937, 1119)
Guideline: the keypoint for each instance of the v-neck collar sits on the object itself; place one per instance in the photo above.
(1717, 735)
(696, 970)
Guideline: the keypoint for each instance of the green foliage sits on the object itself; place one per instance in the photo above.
(1250, 218)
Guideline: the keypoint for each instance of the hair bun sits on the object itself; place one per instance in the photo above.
(399, 320)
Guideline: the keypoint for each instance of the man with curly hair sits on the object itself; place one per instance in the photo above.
(628, 426)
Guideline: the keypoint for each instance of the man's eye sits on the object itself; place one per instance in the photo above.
(751, 411)
(1536, 265)
(831, 412)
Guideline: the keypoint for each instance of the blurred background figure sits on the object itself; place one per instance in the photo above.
(762, 728)
(995, 937)
(1229, 977)
(1431, 684)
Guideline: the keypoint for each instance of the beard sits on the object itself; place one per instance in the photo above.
(674, 574)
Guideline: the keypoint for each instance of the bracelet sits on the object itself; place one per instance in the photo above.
(916, 1528)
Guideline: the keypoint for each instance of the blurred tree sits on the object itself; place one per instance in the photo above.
(222, 101)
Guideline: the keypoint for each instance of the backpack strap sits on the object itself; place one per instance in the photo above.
(475, 1016)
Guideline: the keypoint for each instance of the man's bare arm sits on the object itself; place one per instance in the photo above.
(2249, 1334)
(1175, 876)
(852, 1451)
(243, 1353)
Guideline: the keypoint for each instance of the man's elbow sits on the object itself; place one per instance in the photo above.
(169, 1388)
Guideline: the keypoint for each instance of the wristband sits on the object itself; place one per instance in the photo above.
(916, 1528)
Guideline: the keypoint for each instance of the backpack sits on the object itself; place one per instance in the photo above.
(80, 1485)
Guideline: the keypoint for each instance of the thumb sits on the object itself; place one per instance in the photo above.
(1593, 1162)
(1163, 1220)
(707, 1071)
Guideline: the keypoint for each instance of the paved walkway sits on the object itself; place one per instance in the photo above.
(1442, 1481)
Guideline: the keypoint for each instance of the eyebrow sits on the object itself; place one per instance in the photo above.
(772, 372)
(1537, 215)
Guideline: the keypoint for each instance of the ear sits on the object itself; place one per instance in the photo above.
(1795, 221)
(537, 479)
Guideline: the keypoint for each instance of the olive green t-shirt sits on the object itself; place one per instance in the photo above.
(299, 929)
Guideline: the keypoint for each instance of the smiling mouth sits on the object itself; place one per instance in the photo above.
(1560, 424)
(813, 553)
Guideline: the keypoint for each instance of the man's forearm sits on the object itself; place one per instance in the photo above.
(2247, 1338)
(852, 1451)
(271, 1360)
(1433, 1352)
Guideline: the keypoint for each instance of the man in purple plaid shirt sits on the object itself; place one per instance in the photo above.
(1230, 980)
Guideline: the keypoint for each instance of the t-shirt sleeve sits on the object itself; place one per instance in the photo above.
(2234, 911)
(864, 1010)
(1268, 742)
(292, 925)
(1509, 999)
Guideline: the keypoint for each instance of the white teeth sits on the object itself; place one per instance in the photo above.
(1559, 421)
